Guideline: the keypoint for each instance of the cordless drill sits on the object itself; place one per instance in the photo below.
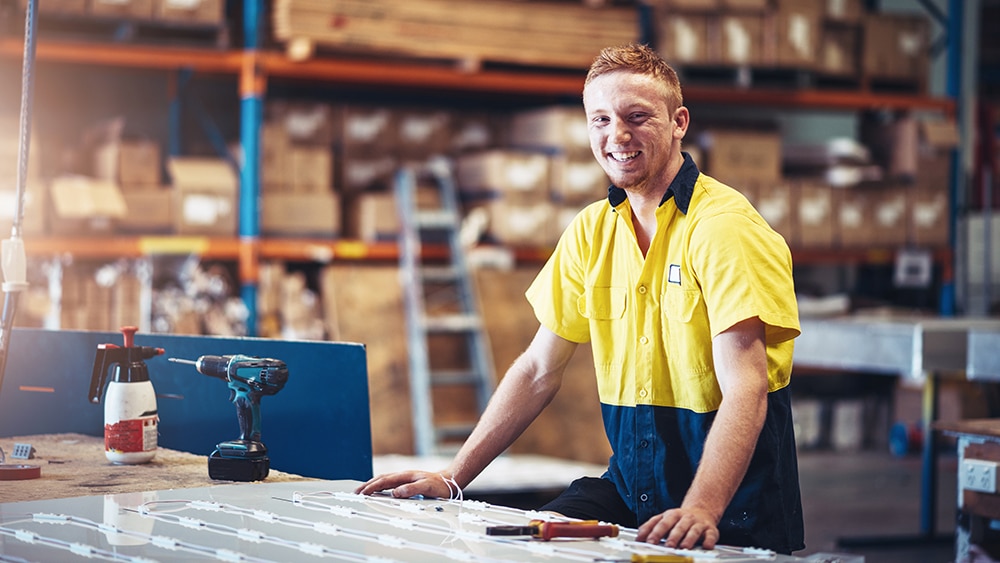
(249, 379)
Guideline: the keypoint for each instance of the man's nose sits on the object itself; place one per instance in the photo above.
(621, 133)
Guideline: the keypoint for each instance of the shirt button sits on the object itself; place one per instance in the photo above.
(643, 444)
(643, 340)
(643, 497)
(642, 392)
(642, 290)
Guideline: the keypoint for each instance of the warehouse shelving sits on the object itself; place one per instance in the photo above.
(254, 68)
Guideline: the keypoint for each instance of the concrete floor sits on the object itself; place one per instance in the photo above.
(872, 494)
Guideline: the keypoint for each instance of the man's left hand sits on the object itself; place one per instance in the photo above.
(682, 528)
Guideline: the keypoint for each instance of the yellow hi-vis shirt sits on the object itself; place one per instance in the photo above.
(651, 320)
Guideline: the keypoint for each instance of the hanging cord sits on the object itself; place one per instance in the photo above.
(13, 256)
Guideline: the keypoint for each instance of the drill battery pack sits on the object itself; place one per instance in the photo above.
(239, 460)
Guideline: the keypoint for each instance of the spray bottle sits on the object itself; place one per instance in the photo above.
(130, 416)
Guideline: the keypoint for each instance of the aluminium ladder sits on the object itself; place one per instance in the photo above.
(441, 304)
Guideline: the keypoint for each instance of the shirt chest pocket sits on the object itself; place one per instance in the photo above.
(686, 334)
(602, 303)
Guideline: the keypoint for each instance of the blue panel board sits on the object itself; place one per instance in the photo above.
(318, 425)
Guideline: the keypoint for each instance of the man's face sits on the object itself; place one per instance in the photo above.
(633, 133)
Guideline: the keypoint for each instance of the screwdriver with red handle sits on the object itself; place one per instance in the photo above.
(540, 529)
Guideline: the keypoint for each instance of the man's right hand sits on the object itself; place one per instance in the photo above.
(407, 484)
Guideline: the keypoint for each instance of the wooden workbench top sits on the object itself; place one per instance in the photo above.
(74, 465)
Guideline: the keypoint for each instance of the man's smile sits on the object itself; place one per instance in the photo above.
(623, 156)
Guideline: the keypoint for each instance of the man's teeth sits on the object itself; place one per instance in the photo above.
(623, 156)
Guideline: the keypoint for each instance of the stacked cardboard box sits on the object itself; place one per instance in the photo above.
(297, 170)
(205, 196)
(832, 38)
(135, 166)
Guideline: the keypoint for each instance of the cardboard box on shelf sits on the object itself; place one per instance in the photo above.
(205, 196)
(845, 11)
(275, 165)
(890, 212)
(815, 214)
(683, 37)
(305, 122)
(896, 46)
(738, 156)
(311, 169)
(518, 223)
(554, 128)
(366, 130)
(929, 216)
(84, 205)
(372, 216)
(741, 39)
(854, 217)
(578, 180)
(300, 214)
(686, 5)
(206, 12)
(134, 164)
(507, 171)
(129, 9)
(776, 203)
(476, 130)
(797, 31)
(840, 50)
(424, 132)
(149, 211)
(360, 173)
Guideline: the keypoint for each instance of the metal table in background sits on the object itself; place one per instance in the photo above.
(921, 351)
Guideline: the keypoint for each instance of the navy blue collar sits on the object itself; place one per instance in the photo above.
(680, 189)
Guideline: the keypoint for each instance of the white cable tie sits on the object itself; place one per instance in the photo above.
(459, 555)
(229, 555)
(206, 505)
(470, 518)
(82, 549)
(26, 536)
(342, 495)
(391, 541)
(297, 496)
(540, 548)
(327, 528)
(108, 528)
(189, 522)
(49, 518)
(312, 548)
(250, 535)
(411, 507)
(264, 516)
(758, 552)
(702, 554)
(543, 516)
(402, 523)
(344, 511)
(378, 559)
(476, 505)
(165, 542)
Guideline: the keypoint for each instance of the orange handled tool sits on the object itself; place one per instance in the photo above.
(543, 530)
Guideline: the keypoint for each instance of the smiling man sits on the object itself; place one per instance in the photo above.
(687, 298)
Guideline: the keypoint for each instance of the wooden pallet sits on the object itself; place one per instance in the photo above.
(553, 34)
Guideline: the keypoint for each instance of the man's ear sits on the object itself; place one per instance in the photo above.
(682, 118)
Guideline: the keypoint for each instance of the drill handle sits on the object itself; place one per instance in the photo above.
(247, 413)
